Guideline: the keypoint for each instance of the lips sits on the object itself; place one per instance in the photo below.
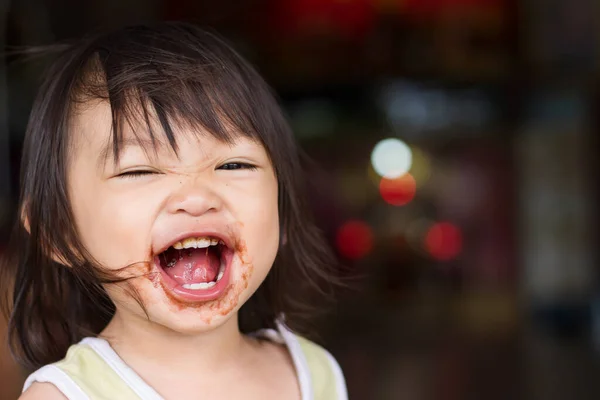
(220, 235)
(196, 267)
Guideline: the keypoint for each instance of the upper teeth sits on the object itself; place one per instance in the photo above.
(196, 243)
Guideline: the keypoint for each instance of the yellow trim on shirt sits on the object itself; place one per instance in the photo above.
(321, 371)
(96, 378)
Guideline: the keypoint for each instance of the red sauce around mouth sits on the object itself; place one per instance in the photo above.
(230, 297)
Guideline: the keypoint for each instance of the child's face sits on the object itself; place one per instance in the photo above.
(205, 192)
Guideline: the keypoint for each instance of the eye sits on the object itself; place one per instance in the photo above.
(237, 165)
(136, 173)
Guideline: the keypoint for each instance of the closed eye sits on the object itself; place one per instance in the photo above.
(136, 173)
(237, 165)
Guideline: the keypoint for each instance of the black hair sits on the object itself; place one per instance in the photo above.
(177, 73)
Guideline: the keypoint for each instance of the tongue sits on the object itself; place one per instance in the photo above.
(194, 266)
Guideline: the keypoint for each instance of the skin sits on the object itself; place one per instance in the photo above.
(182, 349)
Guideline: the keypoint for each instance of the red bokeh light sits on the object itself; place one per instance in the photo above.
(398, 191)
(444, 241)
(352, 19)
(354, 240)
(437, 7)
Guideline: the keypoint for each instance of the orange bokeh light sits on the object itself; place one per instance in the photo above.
(354, 240)
(398, 191)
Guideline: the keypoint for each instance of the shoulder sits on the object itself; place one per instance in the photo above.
(59, 380)
(318, 372)
(326, 375)
(41, 390)
(317, 356)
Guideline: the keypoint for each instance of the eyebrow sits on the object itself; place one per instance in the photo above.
(108, 153)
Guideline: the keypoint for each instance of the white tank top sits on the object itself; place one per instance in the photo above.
(92, 370)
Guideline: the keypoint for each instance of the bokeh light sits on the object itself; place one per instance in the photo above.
(398, 191)
(354, 240)
(391, 158)
(444, 241)
(373, 176)
(421, 166)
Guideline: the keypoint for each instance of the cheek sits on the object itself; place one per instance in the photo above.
(115, 229)
(261, 229)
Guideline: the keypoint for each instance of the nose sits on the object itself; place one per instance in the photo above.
(194, 197)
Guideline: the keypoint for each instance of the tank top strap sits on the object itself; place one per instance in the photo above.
(92, 370)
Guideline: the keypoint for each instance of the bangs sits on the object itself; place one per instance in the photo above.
(156, 80)
(155, 84)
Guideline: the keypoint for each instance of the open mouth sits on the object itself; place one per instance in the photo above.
(196, 268)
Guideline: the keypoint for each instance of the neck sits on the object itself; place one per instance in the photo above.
(136, 341)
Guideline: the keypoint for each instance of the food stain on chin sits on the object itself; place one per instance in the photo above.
(221, 306)
(230, 298)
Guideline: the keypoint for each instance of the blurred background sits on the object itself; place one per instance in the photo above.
(456, 176)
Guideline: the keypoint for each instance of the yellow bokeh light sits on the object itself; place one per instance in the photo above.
(421, 166)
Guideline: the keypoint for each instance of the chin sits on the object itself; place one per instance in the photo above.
(198, 281)
(192, 313)
(191, 321)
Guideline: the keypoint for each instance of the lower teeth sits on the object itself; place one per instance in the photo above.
(205, 285)
(201, 285)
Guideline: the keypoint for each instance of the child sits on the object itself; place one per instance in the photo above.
(163, 238)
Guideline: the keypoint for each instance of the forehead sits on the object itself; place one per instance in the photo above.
(94, 130)
(90, 124)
